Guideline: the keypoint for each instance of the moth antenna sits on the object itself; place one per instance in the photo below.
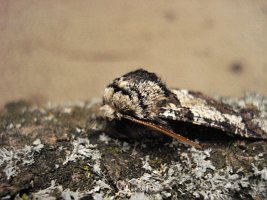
(163, 130)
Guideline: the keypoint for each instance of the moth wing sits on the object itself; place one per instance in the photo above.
(196, 108)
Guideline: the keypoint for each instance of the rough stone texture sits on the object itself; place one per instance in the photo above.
(49, 152)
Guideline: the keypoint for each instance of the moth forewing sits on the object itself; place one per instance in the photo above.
(199, 109)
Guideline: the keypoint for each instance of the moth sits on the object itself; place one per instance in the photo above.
(141, 98)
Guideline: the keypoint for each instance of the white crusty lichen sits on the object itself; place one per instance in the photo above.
(10, 157)
(104, 138)
(262, 173)
(145, 163)
(49, 193)
(194, 175)
(54, 191)
(82, 149)
(139, 195)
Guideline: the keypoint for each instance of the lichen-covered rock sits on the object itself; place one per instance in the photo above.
(50, 153)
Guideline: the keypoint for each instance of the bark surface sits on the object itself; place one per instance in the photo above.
(49, 152)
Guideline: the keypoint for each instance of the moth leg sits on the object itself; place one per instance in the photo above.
(164, 131)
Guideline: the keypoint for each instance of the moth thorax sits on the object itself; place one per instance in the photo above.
(134, 97)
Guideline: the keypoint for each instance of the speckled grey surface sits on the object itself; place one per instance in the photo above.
(49, 152)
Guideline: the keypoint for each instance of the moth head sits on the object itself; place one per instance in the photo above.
(138, 94)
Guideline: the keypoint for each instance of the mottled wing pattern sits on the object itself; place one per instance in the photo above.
(202, 110)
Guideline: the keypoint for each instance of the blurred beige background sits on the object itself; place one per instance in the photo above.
(69, 50)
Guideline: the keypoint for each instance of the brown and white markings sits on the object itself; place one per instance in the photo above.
(142, 98)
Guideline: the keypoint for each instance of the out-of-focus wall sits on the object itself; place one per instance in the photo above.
(69, 50)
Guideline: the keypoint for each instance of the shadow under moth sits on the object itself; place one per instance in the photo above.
(141, 98)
